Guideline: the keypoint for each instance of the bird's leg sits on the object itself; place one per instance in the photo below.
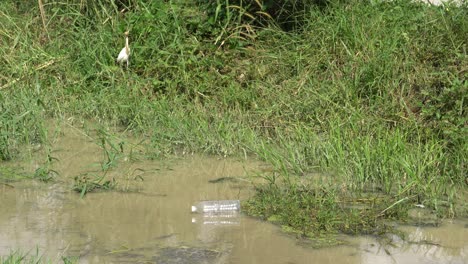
(127, 64)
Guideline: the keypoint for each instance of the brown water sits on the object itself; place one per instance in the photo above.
(151, 221)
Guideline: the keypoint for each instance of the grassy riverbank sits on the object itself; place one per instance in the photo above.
(370, 96)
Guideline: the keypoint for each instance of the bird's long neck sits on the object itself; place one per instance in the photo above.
(127, 48)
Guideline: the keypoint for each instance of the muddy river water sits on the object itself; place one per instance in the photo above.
(147, 219)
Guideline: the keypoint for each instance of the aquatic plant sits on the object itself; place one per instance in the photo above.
(89, 182)
(16, 257)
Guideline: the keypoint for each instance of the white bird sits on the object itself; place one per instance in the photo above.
(125, 52)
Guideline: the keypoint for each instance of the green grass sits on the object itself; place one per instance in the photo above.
(20, 258)
(9, 175)
(371, 94)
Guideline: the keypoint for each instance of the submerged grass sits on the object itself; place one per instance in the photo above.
(8, 175)
(371, 93)
(24, 258)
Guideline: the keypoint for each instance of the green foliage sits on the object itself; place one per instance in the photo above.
(370, 91)
(8, 175)
(17, 257)
(112, 152)
(287, 14)
(312, 212)
(444, 111)
(45, 174)
(21, 120)
(90, 182)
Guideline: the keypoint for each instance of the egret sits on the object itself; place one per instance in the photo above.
(125, 52)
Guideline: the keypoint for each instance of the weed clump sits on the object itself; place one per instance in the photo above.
(311, 212)
(87, 183)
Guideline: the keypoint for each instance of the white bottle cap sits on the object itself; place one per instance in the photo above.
(194, 208)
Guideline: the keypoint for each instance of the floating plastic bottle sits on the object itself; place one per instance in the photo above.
(213, 207)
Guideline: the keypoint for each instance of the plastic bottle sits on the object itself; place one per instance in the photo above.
(217, 206)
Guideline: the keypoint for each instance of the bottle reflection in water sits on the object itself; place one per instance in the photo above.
(218, 219)
(213, 218)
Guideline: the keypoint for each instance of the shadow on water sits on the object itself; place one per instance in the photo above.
(149, 220)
